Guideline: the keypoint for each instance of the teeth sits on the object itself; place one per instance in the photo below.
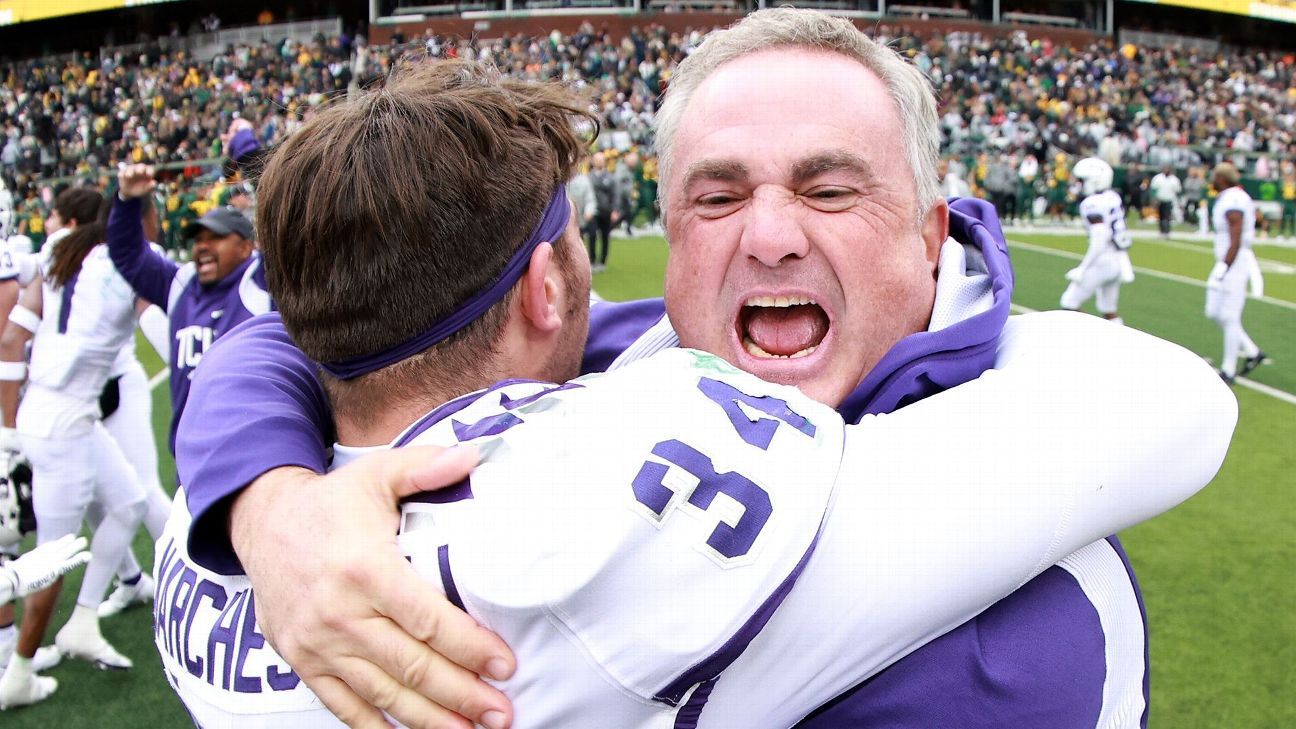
(754, 350)
(779, 302)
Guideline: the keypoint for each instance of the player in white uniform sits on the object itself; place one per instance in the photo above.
(1106, 264)
(733, 491)
(88, 315)
(127, 408)
(1233, 218)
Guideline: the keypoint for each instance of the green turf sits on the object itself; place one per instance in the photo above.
(1217, 572)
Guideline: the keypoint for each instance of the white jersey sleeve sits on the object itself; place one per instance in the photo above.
(951, 503)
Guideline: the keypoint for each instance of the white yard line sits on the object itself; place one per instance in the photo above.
(1145, 271)
(159, 378)
(1246, 382)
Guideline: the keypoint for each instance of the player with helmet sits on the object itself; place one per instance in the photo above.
(1106, 264)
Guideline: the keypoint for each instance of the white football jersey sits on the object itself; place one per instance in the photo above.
(677, 543)
(84, 326)
(1111, 231)
(1234, 198)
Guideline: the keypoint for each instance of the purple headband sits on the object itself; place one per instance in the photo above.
(550, 230)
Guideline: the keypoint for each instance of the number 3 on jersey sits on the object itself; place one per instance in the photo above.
(726, 541)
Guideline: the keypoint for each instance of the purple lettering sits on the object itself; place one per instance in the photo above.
(761, 431)
(251, 639)
(728, 541)
(224, 633)
(212, 592)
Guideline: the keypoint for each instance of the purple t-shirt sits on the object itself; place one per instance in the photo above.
(198, 313)
(1036, 658)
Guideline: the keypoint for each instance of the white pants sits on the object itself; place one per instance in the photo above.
(70, 473)
(1224, 305)
(1102, 280)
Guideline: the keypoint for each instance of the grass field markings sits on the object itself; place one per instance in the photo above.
(1246, 382)
(1146, 271)
(158, 379)
(1203, 247)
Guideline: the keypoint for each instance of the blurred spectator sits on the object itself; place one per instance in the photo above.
(1166, 189)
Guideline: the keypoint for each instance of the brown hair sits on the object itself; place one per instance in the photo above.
(88, 208)
(385, 211)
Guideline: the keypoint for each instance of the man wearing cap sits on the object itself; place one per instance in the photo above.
(221, 286)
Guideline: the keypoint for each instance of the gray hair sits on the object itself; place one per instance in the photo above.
(800, 28)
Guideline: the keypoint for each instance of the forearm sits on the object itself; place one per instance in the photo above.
(147, 272)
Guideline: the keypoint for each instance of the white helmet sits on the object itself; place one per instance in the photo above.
(16, 516)
(1095, 174)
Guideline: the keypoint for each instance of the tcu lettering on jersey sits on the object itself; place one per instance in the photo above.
(191, 342)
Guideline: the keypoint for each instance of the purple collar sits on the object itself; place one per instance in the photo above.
(550, 230)
(925, 363)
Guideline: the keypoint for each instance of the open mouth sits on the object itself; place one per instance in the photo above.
(206, 263)
(782, 327)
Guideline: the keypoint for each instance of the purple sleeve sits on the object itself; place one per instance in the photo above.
(147, 272)
(615, 326)
(256, 404)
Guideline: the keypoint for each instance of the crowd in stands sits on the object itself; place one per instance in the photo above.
(1029, 106)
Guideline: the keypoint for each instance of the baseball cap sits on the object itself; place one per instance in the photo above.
(221, 221)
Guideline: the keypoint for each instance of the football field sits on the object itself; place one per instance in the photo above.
(1218, 573)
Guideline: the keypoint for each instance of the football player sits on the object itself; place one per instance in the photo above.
(1106, 264)
(1234, 219)
(89, 316)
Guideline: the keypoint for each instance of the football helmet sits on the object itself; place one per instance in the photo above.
(1094, 174)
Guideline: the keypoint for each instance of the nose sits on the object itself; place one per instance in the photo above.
(773, 230)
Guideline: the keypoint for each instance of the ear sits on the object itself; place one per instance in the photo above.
(538, 296)
(934, 231)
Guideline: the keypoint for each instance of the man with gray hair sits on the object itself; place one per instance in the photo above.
(809, 246)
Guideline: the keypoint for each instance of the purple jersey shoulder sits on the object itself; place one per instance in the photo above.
(614, 326)
(214, 451)
(925, 363)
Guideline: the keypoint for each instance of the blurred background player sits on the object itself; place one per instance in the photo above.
(1106, 263)
(1234, 220)
(89, 315)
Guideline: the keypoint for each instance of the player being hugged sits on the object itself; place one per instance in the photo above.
(1106, 265)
